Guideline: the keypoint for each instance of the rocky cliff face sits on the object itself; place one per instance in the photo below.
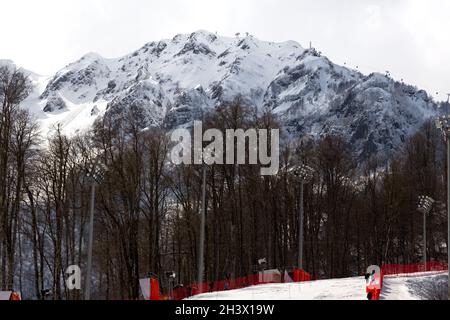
(171, 82)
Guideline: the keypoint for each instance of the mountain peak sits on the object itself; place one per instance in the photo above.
(203, 35)
(308, 93)
(6, 62)
(91, 56)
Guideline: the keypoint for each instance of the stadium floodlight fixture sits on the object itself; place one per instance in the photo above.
(96, 171)
(304, 172)
(425, 204)
(443, 124)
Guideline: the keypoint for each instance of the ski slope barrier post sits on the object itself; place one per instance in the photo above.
(374, 282)
(154, 289)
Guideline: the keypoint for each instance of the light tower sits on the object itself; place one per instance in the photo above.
(443, 123)
(201, 250)
(425, 205)
(305, 175)
(95, 172)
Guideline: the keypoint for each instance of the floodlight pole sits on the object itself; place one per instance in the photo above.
(305, 175)
(87, 294)
(425, 239)
(443, 123)
(448, 213)
(300, 226)
(201, 250)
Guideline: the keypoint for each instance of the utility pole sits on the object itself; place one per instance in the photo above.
(201, 250)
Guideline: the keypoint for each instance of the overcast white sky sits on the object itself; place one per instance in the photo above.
(410, 38)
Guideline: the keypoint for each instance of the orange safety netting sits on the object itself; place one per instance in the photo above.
(391, 269)
(238, 283)
(301, 276)
(154, 289)
(397, 269)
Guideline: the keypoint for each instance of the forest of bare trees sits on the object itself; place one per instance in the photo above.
(147, 210)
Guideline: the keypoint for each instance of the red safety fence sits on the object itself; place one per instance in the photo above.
(297, 276)
(394, 269)
(237, 283)
(301, 276)
(405, 269)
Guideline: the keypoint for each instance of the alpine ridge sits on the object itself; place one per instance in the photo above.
(171, 82)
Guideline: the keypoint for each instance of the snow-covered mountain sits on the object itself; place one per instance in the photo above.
(171, 81)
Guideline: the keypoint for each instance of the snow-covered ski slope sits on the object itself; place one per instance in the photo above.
(399, 287)
(416, 286)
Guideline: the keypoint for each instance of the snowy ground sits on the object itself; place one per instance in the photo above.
(401, 287)
(336, 289)
(418, 286)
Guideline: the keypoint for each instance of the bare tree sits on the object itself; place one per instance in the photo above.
(16, 138)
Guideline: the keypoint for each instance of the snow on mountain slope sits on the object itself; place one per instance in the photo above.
(373, 112)
(170, 83)
(401, 287)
